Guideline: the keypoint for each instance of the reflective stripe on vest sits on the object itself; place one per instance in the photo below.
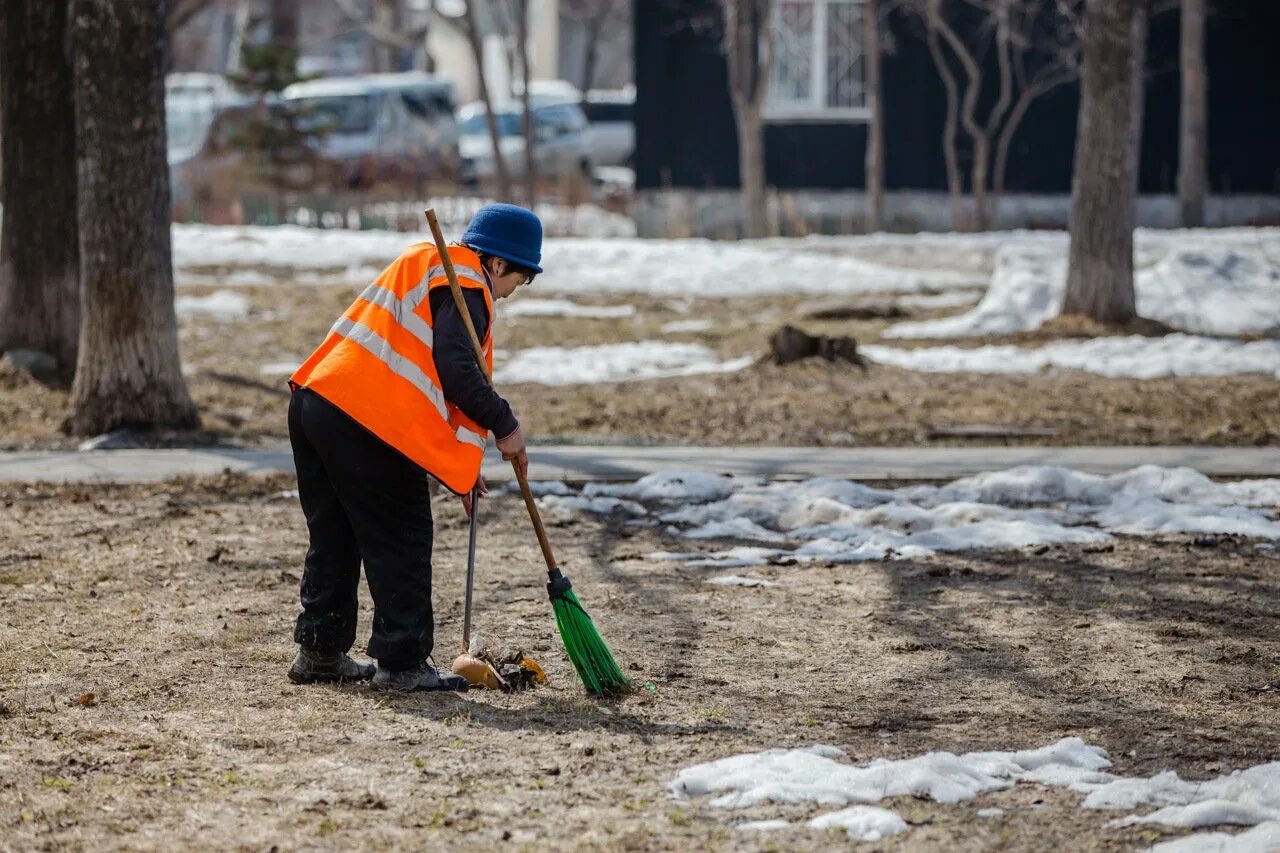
(376, 365)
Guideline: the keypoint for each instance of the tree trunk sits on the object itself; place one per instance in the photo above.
(748, 48)
(500, 172)
(530, 140)
(1192, 122)
(1100, 260)
(129, 372)
(39, 256)
(875, 119)
(1138, 94)
(955, 192)
(751, 171)
(978, 182)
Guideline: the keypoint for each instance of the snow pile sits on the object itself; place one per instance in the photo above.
(1263, 838)
(612, 363)
(1133, 356)
(815, 775)
(1205, 288)
(844, 521)
(862, 823)
(563, 308)
(222, 305)
(1026, 289)
(1244, 798)
(819, 774)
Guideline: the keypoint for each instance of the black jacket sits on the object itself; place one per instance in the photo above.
(463, 381)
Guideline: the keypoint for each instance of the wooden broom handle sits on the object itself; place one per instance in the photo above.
(461, 303)
(456, 289)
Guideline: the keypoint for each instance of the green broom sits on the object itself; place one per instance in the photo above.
(591, 657)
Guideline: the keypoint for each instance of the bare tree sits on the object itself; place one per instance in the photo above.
(1036, 45)
(950, 125)
(530, 139)
(129, 372)
(472, 31)
(1192, 117)
(748, 45)
(595, 16)
(1045, 54)
(388, 25)
(1139, 31)
(1100, 260)
(873, 51)
(39, 263)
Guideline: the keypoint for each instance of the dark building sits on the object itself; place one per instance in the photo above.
(686, 138)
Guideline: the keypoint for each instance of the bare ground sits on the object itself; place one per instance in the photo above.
(809, 403)
(145, 632)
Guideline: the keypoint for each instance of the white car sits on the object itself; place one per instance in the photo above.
(562, 140)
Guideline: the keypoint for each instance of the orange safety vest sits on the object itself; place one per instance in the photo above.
(376, 366)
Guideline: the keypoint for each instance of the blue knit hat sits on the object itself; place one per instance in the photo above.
(506, 231)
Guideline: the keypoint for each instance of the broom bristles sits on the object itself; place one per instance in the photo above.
(591, 657)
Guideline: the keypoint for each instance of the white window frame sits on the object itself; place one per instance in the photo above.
(775, 111)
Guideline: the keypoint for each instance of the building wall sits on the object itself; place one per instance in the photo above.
(685, 135)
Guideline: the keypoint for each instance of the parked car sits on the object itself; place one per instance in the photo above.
(613, 130)
(562, 140)
(384, 127)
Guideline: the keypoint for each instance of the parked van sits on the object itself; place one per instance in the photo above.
(384, 127)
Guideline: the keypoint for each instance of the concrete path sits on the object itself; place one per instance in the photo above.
(581, 462)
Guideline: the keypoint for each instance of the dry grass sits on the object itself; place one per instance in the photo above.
(802, 404)
(172, 606)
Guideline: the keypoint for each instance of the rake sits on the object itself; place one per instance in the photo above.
(587, 650)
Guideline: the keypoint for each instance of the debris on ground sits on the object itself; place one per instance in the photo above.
(516, 670)
(790, 344)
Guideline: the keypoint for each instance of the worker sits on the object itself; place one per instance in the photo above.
(394, 396)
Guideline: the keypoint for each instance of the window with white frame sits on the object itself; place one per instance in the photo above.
(817, 60)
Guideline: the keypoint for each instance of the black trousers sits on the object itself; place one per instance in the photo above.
(364, 502)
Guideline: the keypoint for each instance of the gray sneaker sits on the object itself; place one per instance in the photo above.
(311, 667)
(424, 677)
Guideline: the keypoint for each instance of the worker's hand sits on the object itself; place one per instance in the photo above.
(513, 450)
(480, 489)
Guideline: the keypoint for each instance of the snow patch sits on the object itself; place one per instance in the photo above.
(280, 368)
(222, 305)
(795, 776)
(677, 327)
(862, 823)
(1117, 357)
(613, 363)
(1205, 287)
(844, 521)
(819, 775)
(735, 580)
(564, 308)
(1263, 838)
